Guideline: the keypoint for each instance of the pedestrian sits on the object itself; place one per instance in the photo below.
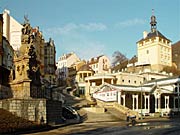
(127, 115)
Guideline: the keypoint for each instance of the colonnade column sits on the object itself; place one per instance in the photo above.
(147, 103)
(156, 105)
(124, 99)
(88, 88)
(157, 102)
(119, 97)
(135, 102)
(112, 82)
(102, 80)
(166, 103)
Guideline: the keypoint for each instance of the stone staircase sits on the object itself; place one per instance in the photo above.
(116, 113)
(122, 109)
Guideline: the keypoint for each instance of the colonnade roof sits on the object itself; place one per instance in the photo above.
(95, 77)
(164, 81)
(142, 88)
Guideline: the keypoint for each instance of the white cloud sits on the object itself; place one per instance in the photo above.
(132, 22)
(73, 38)
(93, 27)
(83, 47)
(72, 27)
(86, 49)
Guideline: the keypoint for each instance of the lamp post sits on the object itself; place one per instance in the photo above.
(141, 101)
(178, 96)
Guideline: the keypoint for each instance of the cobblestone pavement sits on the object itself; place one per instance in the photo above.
(117, 128)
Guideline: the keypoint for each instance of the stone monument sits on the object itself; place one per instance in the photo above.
(29, 100)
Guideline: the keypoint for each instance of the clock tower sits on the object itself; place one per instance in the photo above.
(154, 49)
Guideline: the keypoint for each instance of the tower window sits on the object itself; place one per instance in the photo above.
(147, 51)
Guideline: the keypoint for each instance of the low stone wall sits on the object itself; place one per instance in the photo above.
(39, 110)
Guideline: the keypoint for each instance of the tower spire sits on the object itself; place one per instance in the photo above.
(153, 22)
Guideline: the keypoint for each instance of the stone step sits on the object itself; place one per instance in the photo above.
(116, 113)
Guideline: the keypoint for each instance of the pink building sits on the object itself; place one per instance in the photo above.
(100, 64)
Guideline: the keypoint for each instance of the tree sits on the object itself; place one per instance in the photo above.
(171, 69)
(118, 58)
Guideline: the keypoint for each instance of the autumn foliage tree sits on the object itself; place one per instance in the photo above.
(172, 69)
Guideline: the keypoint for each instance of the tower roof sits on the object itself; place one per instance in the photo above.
(154, 34)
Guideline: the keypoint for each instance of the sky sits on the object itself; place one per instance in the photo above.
(97, 27)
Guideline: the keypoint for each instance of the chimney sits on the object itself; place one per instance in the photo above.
(145, 33)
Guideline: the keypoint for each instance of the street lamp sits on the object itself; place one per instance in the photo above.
(141, 101)
(178, 96)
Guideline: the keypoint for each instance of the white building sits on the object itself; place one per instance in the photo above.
(64, 62)
(12, 30)
(161, 95)
(154, 49)
(100, 64)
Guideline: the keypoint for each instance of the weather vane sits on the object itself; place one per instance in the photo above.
(152, 11)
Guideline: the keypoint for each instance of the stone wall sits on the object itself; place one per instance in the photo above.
(39, 110)
(53, 111)
(21, 88)
(5, 92)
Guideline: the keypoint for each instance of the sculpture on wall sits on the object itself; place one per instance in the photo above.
(27, 34)
(34, 70)
(27, 29)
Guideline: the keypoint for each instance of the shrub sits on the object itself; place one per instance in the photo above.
(10, 123)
